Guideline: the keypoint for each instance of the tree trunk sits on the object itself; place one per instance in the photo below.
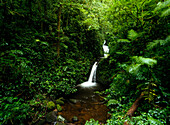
(58, 28)
(133, 108)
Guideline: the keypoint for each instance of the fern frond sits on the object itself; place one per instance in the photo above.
(141, 60)
(123, 41)
(155, 43)
(132, 35)
(163, 8)
(166, 13)
(167, 40)
(162, 5)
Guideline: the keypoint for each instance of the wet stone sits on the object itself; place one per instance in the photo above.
(51, 117)
(61, 119)
(75, 119)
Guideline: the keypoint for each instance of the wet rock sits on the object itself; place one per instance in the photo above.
(51, 116)
(75, 119)
(73, 100)
(61, 119)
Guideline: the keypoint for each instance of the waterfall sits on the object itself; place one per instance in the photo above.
(105, 49)
(92, 78)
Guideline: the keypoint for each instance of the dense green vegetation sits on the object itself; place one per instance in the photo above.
(47, 47)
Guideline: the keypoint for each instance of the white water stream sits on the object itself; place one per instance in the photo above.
(92, 78)
(105, 49)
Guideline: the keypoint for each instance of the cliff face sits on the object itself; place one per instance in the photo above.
(103, 72)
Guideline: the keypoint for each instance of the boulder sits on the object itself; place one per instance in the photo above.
(51, 116)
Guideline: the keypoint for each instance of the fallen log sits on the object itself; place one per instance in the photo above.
(133, 108)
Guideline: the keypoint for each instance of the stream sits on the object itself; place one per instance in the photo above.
(85, 105)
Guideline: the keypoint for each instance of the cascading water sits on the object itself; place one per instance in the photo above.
(93, 73)
(105, 49)
(92, 78)
(85, 104)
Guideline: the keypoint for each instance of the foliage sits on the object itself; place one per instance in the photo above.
(92, 122)
(46, 44)
(30, 64)
(59, 108)
(14, 110)
(51, 105)
(138, 62)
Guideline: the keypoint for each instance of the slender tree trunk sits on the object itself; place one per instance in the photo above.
(58, 28)
(40, 10)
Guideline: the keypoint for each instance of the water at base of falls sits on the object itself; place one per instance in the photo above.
(85, 104)
(88, 84)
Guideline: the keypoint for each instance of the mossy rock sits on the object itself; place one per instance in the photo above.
(59, 108)
(50, 105)
(51, 117)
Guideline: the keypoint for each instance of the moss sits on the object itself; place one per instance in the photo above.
(60, 101)
(59, 108)
(50, 105)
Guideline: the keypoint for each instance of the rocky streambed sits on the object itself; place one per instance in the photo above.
(79, 107)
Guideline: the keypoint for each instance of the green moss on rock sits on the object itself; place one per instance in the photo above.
(59, 108)
(50, 105)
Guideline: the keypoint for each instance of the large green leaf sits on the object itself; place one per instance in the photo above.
(112, 102)
(142, 60)
(123, 41)
(134, 68)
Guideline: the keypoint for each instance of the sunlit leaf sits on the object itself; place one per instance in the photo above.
(142, 60)
(112, 102)
(123, 41)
